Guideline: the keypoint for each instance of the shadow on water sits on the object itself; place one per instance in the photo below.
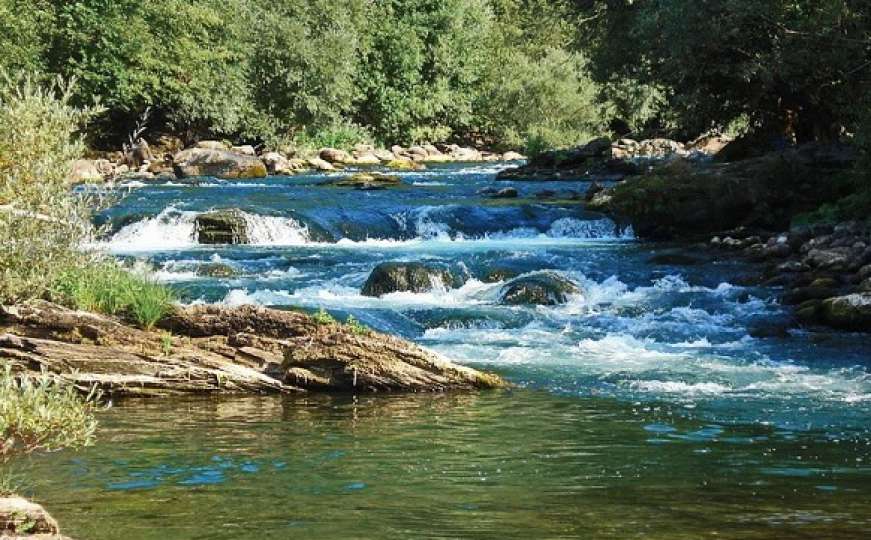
(514, 464)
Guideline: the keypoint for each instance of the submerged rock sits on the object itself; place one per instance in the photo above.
(371, 180)
(217, 163)
(392, 277)
(211, 348)
(221, 227)
(215, 270)
(544, 289)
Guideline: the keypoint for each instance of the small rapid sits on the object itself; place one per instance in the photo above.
(639, 331)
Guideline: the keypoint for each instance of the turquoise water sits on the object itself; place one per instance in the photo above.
(646, 407)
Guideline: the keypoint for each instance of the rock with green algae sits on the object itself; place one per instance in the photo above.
(221, 227)
(369, 180)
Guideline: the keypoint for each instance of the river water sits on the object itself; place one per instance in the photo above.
(644, 407)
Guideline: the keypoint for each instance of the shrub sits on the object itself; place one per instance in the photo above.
(322, 317)
(342, 136)
(356, 327)
(41, 223)
(42, 414)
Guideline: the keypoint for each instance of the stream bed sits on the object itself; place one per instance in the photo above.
(664, 401)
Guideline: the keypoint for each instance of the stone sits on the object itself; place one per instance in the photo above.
(245, 150)
(404, 165)
(850, 312)
(212, 145)
(594, 189)
(84, 171)
(321, 164)
(216, 270)
(498, 275)
(367, 159)
(505, 193)
(369, 181)
(465, 154)
(276, 163)
(19, 516)
(221, 227)
(334, 155)
(513, 156)
(542, 288)
(414, 277)
(832, 259)
(220, 349)
(217, 163)
(384, 155)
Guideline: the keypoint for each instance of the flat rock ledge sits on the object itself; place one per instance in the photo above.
(211, 349)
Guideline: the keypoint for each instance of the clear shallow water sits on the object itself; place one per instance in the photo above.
(652, 369)
(519, 464)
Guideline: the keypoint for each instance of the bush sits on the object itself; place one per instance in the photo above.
(41, 223)
(342, 136)
(105, 287)
(42, 414)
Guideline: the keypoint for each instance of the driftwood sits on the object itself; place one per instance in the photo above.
(220, 349)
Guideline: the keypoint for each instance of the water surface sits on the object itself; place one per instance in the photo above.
(648, 406)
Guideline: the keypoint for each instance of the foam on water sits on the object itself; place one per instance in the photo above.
(175, 229)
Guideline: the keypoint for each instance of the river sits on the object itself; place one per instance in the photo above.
(645, 408)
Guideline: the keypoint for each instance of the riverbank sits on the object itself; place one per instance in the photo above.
(168, 160)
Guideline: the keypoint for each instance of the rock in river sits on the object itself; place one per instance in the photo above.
(392, 277)
(222, 349)
(221, 227)
(543, 288)
(217, 163)
(850, 312)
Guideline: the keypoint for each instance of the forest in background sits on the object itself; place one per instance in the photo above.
(512, 73)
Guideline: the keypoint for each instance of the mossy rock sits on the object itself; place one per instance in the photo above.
(415, 277)
(221, 227)
(370, 180)
(216, 270)
(542, 289)
(405, 165)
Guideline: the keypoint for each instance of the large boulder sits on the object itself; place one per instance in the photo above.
(276, 163)
(543, 288)
(415, 277)
(245, 150)
(513, 156)
(321, 165)
(850, 312)
(217, 163)
(221, 227)
(334, 155)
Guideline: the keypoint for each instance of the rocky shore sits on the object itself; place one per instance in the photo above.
(211, 349)
(746, 208)
(167, 160)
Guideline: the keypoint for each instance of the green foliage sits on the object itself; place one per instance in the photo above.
(356, 327)
(41, 223)
(105, 287)
(41, 413)
(342, 136)
(323, 318)
(166, 343)
(795, 68)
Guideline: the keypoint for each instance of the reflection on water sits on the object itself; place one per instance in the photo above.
(516, 464)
